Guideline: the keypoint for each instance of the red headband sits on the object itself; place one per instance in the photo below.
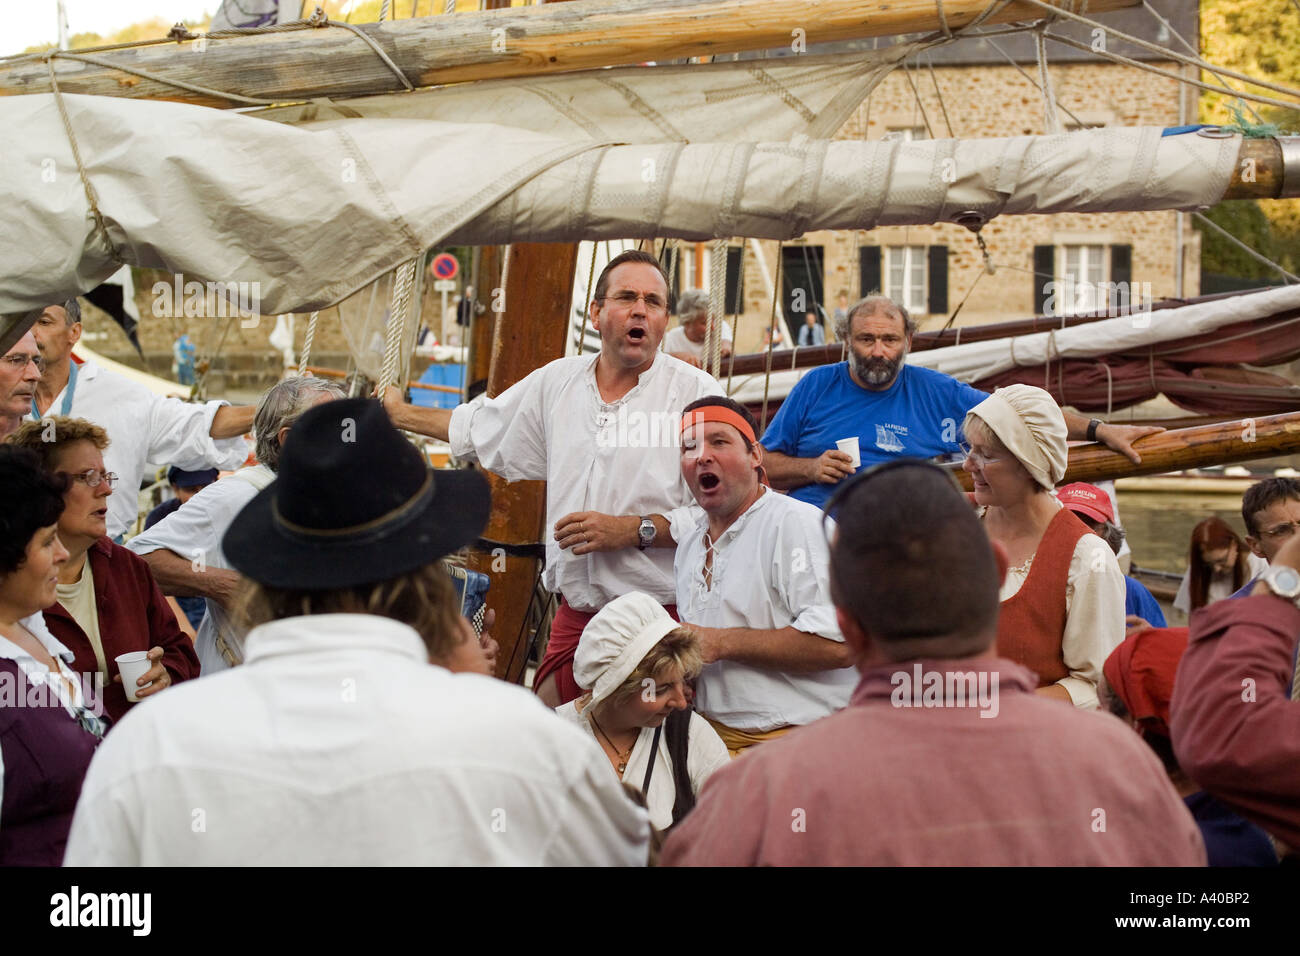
(717, 413)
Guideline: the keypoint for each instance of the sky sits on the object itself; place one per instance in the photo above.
(29, 22)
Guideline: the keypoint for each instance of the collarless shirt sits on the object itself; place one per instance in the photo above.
(619, 458)
(338, 743)
(770, 570)
(78, 599)
(143, 428)
(194, 532)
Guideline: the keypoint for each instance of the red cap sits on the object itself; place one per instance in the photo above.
(1141, 674)
(1088, 500)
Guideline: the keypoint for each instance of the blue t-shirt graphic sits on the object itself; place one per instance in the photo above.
(918, 416)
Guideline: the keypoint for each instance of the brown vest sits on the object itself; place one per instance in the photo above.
(1031, 623)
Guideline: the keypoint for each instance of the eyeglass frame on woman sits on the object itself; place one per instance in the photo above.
(980, 460)
(92, 477)
(627, 298)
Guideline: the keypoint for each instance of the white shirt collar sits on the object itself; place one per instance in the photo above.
(329, 633)
(36, 624)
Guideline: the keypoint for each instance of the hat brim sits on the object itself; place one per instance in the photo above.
(1096, 514)
(258, 546)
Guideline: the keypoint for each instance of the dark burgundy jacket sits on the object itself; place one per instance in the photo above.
(133, 616)
(46, 753)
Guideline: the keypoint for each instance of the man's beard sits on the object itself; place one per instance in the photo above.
(876, 372)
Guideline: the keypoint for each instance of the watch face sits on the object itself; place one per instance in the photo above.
(1285, 581)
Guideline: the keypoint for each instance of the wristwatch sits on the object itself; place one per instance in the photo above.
(1093, 425)
(645, 534)
(1283, 581)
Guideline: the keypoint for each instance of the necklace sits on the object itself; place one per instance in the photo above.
(618, 754)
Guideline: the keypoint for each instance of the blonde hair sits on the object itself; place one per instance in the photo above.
(32, 435)
(424, 599)
(678, 651)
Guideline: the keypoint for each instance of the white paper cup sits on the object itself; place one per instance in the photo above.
(132, 667)
(850, 447)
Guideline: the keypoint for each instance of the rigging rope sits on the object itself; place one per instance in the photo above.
(1051, 119)
(304, 357)
(717, 305)
(404, 280)
(1245, 248)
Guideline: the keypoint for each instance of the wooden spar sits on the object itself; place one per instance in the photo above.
(532, 332)
(751, 363)
(518, 42)
(1221, 444)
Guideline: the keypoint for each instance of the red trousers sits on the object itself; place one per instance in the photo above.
(566, 630)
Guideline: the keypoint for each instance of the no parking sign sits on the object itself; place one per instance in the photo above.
(444, 266)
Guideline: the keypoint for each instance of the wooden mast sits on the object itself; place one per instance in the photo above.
(1246, 439)
(527, 41)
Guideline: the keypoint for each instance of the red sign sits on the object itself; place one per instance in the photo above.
(445, 266)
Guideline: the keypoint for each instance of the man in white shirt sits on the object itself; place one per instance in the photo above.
(603, 433)
(184, 549)
(687, 341)
(753, 583)
(20, 371)
(351, 738)
(142, 427)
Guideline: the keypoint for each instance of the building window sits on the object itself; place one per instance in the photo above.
(905, 133)
(1081, 278)
(905, 276)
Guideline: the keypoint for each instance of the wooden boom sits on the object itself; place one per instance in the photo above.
(1220, 444)
(527, 41)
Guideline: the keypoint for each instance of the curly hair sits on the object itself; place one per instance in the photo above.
(678, 651)
(22, 479)
(47, 437)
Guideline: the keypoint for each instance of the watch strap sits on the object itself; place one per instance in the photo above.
(1092, 428)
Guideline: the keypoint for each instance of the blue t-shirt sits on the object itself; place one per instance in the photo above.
(919, 416)
(1138, 600)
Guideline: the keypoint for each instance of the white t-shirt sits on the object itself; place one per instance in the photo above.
(142, 428)
(676, 342)
(337, 743)
(194, 531)
(705, 753)
(619, 458)
(770, 570)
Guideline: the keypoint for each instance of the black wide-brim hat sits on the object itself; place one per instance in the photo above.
(354, 503)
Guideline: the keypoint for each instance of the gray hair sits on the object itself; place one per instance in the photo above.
(870, 305)
(692, 304)
(73, 308)
(281, 406)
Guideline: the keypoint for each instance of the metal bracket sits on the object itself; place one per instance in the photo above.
(1290, 166)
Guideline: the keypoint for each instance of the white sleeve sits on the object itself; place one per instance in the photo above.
(506, 434)
(598, 824)
(801, 576)
(683, 521)
(1094, 617)
(179, 435)
(706, 753)
(1183, 599)
(189, 531)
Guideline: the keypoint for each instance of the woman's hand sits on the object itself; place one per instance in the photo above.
(156, 677)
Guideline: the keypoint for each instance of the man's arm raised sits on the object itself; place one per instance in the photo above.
(434, 422)
(231, 421)
(786, 472)
(786, 648)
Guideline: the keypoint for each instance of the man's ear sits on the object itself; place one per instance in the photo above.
(281, 435)
(1000, 557)
(74, 333)
(857, 640)
(594, 313)
(1253, 544)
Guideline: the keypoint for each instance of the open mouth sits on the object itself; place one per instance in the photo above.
(708, 481)
(636, 334)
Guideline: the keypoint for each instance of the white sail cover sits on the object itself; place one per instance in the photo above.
(304, 216)
(977, 360)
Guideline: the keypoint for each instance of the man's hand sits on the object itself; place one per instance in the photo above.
(1120, 438)
(687, 358)
(156, 677)
(829, 467)
(487, 642)
(1133, 624)
(588, 531)
(711, 641)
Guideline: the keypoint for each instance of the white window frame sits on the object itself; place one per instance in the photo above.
(914, 296)
(906, 134)
(1082, 287)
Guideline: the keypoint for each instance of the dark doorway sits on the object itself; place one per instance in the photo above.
(802, 287)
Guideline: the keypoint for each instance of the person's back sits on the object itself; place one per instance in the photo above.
(330, 746)
(1034, 783)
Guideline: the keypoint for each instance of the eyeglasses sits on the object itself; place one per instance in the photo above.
(93, 477)
(1282, 531)
(19, 361)
(980, 460)
(627, 298)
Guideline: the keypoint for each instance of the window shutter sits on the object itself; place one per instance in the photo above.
(938, 274)
(1121, 265)
(735, 297)
(869, 270)
(1044, 273)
